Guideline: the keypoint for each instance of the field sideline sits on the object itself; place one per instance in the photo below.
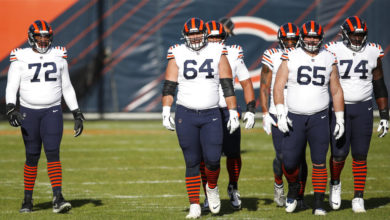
(135, 170)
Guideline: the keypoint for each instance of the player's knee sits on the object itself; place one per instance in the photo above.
(32, 159)
(359, 157)
(53, 156)
(339, 158)
(192, 170)
(213, 166)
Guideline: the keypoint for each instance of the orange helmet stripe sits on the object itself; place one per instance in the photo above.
(319, 29)
(201, 25)
(350, 25)
(304, 29)
(193, 23)
(36, 29)
(359, 24)
(43, 25)
(290, 30)
(214, 25)
(312, 28)
(186, 27)
(283, 32)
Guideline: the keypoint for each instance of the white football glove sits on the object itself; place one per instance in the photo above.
(339, 128)
(268, 121)
(283, 120)
(168, 121)
(249, 119)
(233, 122)
(384, 126)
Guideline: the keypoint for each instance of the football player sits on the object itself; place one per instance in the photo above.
(309, 72)
(288, 36)
(197, 69)
(361, 75)
(40, 73)
(231, 142)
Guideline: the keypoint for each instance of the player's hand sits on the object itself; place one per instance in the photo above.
(78, 122)
(283, 120)
(168, 121)
(268, 121)
(249, 119)
(383, 127)
(233, 122)
(339, 128)
(14, 117)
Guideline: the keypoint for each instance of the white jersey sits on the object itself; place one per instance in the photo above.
(271, 58)
(239, 70)
(198, 75)
(308, 80)
(42, 79)
(355, 69)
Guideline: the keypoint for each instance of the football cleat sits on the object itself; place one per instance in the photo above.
(335, 196)
(27, 205)
(319, 211)
(291, 204)
(213, 199)
(358, 205)
(279, 195)
(234, 196)
(60, 205)
(194, 211)
(205, 207)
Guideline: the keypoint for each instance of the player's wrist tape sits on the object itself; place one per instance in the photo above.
(169, 88)
(380, 90)
(251, 106)
(384, 113)
(227, 86)
(280, 109)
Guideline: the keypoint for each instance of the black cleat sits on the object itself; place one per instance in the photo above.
(60, 205)
(27, 205)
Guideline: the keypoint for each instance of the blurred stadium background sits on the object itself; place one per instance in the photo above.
(117, 48)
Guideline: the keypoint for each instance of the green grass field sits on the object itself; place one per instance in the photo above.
(135, 170)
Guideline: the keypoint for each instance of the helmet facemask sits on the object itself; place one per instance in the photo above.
(41, 42)
(311, 46)
(354, 40)
(195, 40)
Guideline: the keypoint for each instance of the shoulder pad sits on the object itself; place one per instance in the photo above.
(14, 54)
(329, 44)
(60, 51)
(376, 47)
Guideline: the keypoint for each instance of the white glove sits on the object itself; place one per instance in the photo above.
(339, 128)
(283, 120)
(168, 121)
(233, 122)
(268, 121)
(249, 118)
(383, 125)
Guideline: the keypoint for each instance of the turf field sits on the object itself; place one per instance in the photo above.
(135, 170)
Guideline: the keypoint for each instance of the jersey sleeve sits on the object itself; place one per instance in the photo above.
(266, 59)
(13, 56)
(67, 88)
(284, 55)
(171, 52)
(241, 70)
(61, 52)
(224, 50)
(13, 82)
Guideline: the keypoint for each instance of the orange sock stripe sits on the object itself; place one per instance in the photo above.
(319, 179)
(193, 189)
(29, 177)
(54, 171)
(278, 179)
(212, 177)
(359, 171)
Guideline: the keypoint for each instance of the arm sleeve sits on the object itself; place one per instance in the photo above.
(13, 82)
(266, 60)
(67, 88)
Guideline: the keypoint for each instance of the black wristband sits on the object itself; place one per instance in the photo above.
(384, 113)
(251, 106)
